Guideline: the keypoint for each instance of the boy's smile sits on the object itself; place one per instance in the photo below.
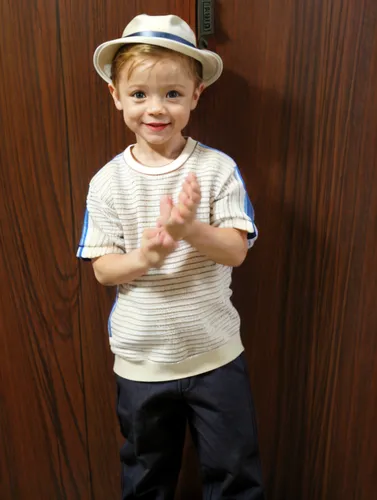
(156, 97)
(157, 127)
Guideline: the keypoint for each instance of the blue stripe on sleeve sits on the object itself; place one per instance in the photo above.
(248, 207)
(84, 234)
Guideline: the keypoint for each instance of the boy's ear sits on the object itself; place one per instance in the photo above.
(195, 98)
(114, 95)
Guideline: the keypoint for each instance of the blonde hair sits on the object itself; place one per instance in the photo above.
(137, 51)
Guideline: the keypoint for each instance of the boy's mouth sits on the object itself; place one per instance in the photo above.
(157, 127)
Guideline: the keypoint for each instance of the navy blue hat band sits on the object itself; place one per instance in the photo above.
(161, 34)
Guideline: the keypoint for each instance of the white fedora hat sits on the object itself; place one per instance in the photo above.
(170, 32)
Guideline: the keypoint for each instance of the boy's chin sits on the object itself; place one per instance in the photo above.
(156, 139)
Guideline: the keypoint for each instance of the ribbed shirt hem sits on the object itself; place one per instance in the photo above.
(147, 371)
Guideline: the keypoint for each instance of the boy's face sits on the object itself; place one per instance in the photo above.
(156, 99)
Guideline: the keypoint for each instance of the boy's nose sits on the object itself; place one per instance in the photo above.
(155, 106)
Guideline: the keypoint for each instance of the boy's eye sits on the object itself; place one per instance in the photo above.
(138, 95)
(172, 94)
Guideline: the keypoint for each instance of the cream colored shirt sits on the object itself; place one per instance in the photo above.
(176, 321)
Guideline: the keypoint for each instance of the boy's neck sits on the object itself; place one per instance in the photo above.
(158, 155)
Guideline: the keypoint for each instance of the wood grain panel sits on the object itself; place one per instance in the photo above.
(96, 134)
(43, 439)
(297, 109)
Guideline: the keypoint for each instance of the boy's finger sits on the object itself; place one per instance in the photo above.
(192, 190)
(168, 241)
(183, 197)
(165, 208)
(176, 217)
(196, 198)
(186, 188)
(189, 203)
(195, 187)
(154, 242)
(150, 233)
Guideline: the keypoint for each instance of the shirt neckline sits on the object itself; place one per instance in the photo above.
(170, 167)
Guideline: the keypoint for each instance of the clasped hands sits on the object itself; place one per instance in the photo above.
(174, 224)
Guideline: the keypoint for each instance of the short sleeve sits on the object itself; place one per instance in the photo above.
(102, 232)
(232, 207)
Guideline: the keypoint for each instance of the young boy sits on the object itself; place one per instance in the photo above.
(166, 221)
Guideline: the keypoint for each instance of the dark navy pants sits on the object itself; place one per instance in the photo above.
(219, 408)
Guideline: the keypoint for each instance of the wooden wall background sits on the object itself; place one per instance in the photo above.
(297, 108)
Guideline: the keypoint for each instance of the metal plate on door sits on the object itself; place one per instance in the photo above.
(205, 20)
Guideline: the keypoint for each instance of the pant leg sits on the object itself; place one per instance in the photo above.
(152, 419)
(223, 426)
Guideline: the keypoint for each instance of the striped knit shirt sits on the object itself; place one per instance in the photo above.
(176, 321)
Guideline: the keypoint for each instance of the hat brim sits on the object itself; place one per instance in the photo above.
(211, 62)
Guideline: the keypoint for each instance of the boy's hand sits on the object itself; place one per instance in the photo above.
(177, 220)
(156, 245)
